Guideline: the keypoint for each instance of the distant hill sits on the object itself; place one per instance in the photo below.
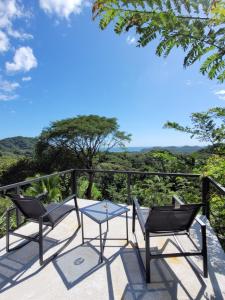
(18, 145)
(173, 149)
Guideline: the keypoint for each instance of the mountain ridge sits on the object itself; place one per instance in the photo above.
(20, 145)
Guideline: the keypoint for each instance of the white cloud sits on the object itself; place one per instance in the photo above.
(188, 82)
(19, 34)
(7, 86)
(7, 90)
(4, 42)
(10, 10)
(28, 78)
(131, 40)
(6, 97)
(23, 60)
(193, 83)
(62, 8)
(220, 94)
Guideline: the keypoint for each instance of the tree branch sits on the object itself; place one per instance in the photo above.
(122, 10)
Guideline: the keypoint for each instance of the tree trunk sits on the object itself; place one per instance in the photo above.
(90, 184)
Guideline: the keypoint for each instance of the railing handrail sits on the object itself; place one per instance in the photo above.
(161, 174)
(206, 182)
(29, 181)
(139, 173)
(217, 185)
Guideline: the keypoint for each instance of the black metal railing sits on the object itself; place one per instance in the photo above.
(206, 183)
(129, 175)
(16, 187)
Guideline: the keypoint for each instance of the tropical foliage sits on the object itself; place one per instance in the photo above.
(53, 155)
(5, 203)
(86, 137)
(6, 162)
(50, 186)
(214, 167)
(197, 27)
(207, 127)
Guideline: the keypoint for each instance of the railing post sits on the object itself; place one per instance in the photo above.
(205, 197)
(74, 182)
(18, 213)
(128, 188)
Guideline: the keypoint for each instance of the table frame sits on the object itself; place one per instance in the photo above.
(100, 231)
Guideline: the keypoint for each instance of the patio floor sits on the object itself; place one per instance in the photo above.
(77, 274)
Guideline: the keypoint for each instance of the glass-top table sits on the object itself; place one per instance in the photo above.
(100, 213)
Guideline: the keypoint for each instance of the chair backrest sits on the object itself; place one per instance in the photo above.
(171, 219)
(30, 207)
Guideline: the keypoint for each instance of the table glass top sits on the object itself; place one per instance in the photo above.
(103, 210)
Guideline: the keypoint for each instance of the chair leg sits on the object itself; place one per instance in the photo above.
(40, 241)
(133, 218)
(77, 211)
(147, 257)
(204, 252)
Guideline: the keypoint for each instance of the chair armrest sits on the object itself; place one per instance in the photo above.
(176, 200)
(41, 196)
(139, 215)
(200, 222)
(58, 206)
(11, 209)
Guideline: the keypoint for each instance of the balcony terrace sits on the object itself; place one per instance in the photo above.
(77, 274)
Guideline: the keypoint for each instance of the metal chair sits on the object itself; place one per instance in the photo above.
(169, 220)
(34, 210)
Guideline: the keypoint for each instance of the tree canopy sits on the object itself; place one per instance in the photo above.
(195, 26)
(85, 136)
(207, 127)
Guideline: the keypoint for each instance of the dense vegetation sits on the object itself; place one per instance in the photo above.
(54, 152)
(197, 27)
(174, 149)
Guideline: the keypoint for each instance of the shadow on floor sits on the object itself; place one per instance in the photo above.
(216, 258)
(82, 261)
(165, 282)
(76, 264)
(15, 265)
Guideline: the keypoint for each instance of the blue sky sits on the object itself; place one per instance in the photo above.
(56, 63)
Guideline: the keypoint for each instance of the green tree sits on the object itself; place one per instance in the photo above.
(87, 137)
(82, 187)
(5, 203)
(6, 162)
(50, 185)
(214, 167)
(19, 171)
(195, 26)
(207, 127)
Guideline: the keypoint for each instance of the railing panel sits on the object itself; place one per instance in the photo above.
(126, 180)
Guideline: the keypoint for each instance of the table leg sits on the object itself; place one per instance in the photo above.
(127, 227)
(101, 245)
(82, 228)
(107, 229)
